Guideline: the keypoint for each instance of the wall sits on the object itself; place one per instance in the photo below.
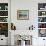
(32, 6)
(24, 24)
(24, 5)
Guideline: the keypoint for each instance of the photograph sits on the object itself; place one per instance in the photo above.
(22, 14)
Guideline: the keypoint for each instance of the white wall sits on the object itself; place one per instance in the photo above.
(32, 6)
(23, 5)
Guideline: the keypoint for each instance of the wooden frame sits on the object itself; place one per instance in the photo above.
(22, 14)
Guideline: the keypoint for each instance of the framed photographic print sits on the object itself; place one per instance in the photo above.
(23, 15)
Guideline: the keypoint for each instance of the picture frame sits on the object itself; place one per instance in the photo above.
(22, 14)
